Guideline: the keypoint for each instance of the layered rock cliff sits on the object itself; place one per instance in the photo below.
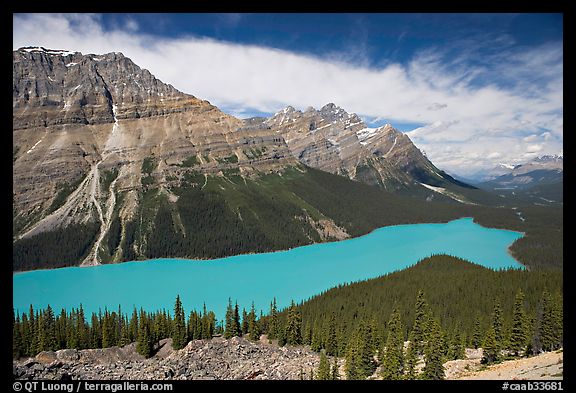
(101, 143)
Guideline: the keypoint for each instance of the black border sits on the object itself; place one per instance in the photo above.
(501, 6)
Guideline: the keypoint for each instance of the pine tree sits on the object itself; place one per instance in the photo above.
(323, 368)
(179, 332)
(26, 335)
(293, 328)
(518, 335)
(497, 324)
(96, 332)
(331, 344)
(82, 333)
(477, 334)
(491, 348)
(253, 328)
(410, 360)
(421, 323)
(434, 368)
(366, 349)
(273, 326)
(551, 324)
(47, 333)
(107, 335)
(334, 373)
(359, 354)
(144, 345)
(316, 342)
(244, 322)
(236, 325)
(352, 355)
(208, 324)
(459, 346)
(17, 347)
(392, 356)
(125, 334)
(134, 325)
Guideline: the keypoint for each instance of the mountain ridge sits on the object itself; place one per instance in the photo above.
(102, 147)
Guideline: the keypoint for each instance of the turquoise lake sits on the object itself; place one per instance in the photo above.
(296, 274)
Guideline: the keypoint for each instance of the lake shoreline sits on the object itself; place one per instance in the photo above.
(279, 251)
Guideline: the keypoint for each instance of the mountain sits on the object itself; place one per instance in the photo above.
(338, 142)
(539, 180)
(110, 164)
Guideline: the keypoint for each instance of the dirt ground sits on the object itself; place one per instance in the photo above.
(546, 366)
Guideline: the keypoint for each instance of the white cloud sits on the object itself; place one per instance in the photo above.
(534, 148)
(475, 119)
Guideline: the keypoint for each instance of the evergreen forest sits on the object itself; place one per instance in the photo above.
(509, 313)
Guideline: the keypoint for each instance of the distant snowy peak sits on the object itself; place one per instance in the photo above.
(549, 159)
(366, 135)
(507, 166)
(54, 52)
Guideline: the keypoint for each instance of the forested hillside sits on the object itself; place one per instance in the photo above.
(212, 216)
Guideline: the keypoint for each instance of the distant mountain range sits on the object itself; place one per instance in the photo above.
(540, 179)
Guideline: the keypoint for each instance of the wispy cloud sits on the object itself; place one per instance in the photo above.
(481, 108)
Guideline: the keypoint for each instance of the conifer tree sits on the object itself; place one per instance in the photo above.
(293, 328)
(477, 334)
(61, 329)
(244, 322)
(82, 333)
(334, 373)
(125, 334)
(106, 330)
(179, 332)
(410, 360)
(459, 346)
(253, 328)
(208, 324)
(497, 324)
(323, 368)
(36, 328)
(434, 368)
(491, 348)
(134, 325)
(331, 345)
(236, 325)
(26, 336)
(273, 324)
(352, 355)
(47, 333)
(96, 333)
(366, 343)
(316, 342)
(551, 324)
(17, 347)
(144, 345)
(518, 335)
(229, 330)
(392, 355)
(421, 323)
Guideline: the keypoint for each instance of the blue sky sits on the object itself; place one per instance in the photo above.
(471, 90)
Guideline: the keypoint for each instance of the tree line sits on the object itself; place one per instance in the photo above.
(398, 352)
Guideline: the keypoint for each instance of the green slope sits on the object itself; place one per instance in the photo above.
(227, 215)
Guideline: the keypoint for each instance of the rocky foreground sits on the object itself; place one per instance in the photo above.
(239, 358)
(236, 358)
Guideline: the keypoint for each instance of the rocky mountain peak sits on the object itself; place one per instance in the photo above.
(64, 87)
